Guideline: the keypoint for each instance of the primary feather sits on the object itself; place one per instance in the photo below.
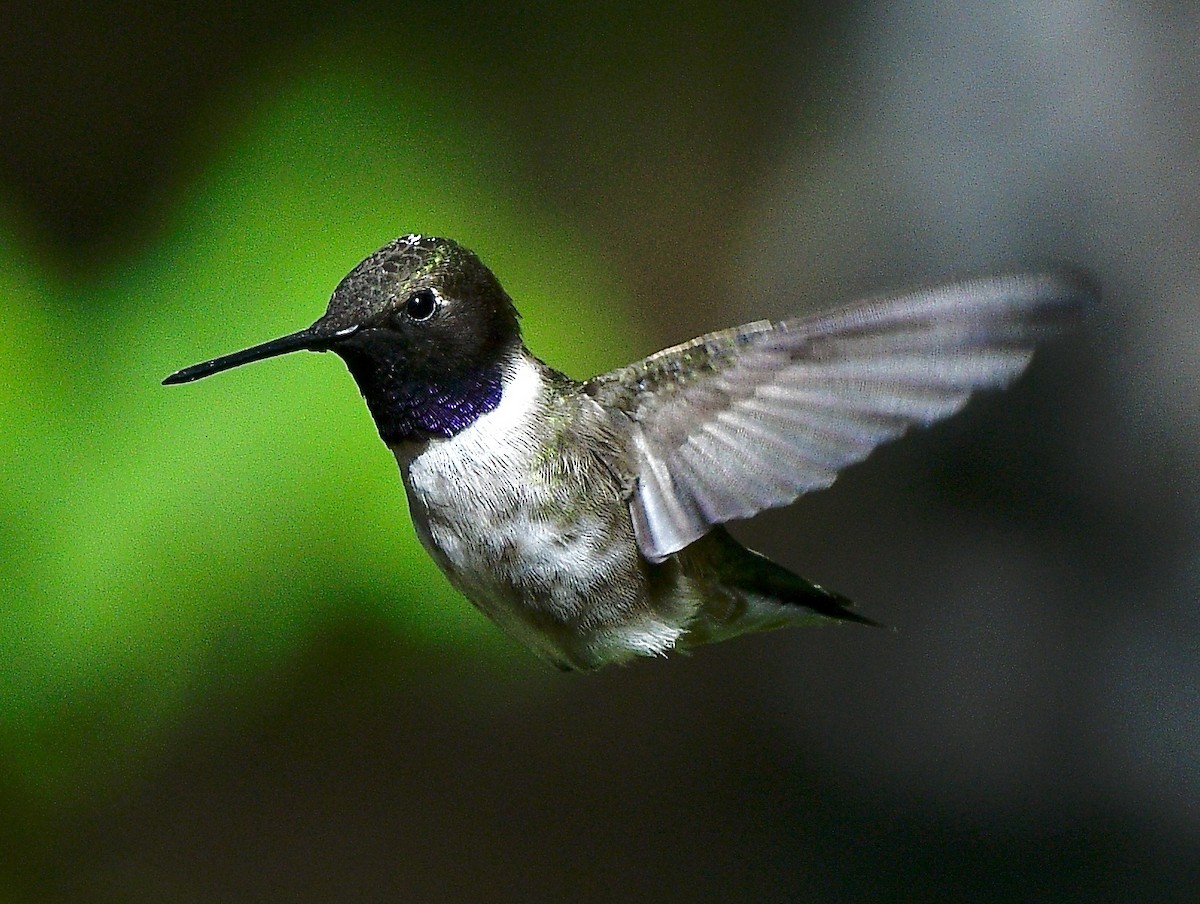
(750, 418)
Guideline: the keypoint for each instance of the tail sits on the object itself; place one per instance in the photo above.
(748, 592)
(764, 578)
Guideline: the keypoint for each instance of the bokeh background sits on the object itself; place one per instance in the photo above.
(228, 672)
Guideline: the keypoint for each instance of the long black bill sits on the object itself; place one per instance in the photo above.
(310, 339)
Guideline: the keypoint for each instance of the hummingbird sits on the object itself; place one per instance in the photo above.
(586, 518)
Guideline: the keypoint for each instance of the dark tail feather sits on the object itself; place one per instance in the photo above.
(755, 573)
(793, 590)
(751, 593)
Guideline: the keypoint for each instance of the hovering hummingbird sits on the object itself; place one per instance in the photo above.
(586, 518)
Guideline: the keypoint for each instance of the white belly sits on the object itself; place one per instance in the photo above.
(521, 534)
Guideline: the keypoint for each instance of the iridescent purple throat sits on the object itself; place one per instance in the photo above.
(421, 410)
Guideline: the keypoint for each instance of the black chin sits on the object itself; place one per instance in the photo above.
(410, 404)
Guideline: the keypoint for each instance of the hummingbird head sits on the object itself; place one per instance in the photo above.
(425, 329)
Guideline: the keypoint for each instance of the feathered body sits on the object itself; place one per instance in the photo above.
(527, 513)
(585, 518)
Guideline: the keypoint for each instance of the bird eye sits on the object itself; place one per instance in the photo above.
(420, 305)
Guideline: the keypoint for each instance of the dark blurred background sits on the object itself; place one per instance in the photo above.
(229, 673)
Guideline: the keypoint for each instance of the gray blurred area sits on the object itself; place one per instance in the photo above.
(1056, 559)
(1029, 729)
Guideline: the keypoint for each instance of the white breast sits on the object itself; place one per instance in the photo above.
(523, 538)
(465, 483)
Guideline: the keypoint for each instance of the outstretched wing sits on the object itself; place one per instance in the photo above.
(749, 418)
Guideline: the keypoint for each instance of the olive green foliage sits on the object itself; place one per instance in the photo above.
(161, 543)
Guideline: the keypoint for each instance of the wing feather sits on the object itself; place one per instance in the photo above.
(738, 421)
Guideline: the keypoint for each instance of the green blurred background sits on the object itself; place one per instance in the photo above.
(230, 674)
